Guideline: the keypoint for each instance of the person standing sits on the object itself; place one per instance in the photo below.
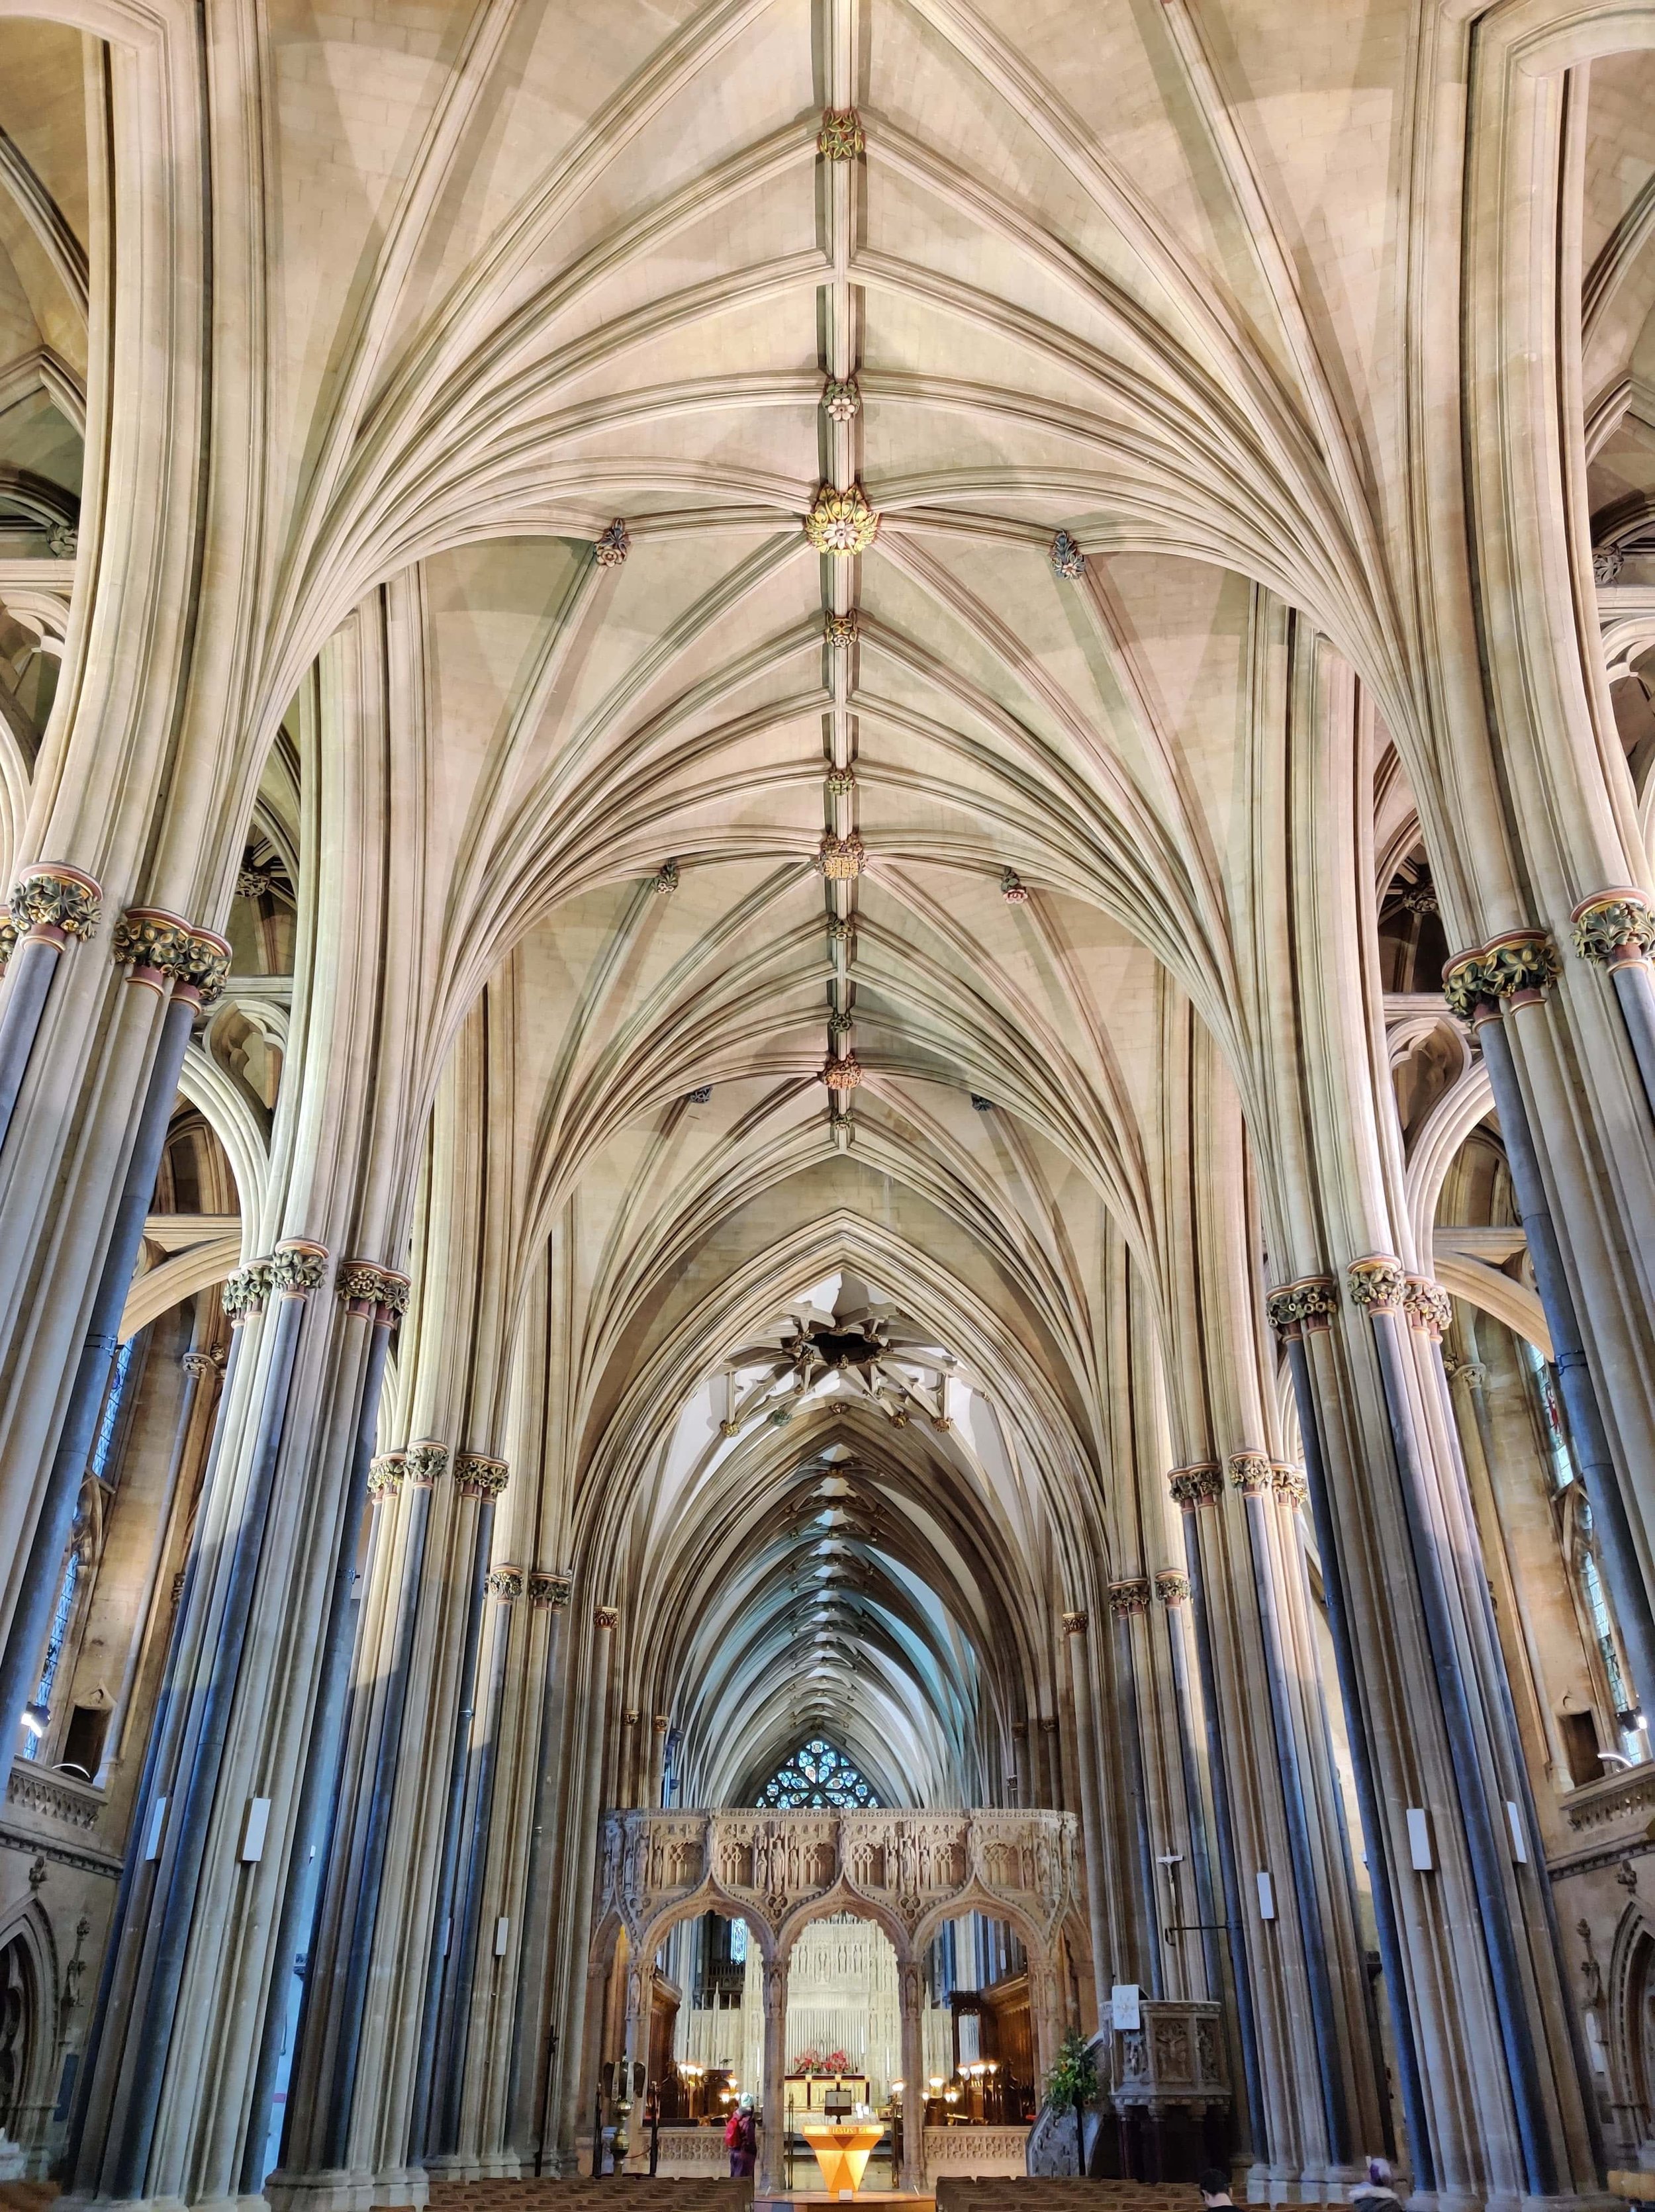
(741, 2140)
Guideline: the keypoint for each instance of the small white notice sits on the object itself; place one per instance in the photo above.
(1519, 1840)
(157, 1823)
(1265, 1895)
(1419, 1840)
(501, 1935)
(1124, 2005)
(254, 1830)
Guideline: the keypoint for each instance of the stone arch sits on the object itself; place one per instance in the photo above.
(842, 1898)
(1628, 2015)
(710, 1897)
(28, 1986)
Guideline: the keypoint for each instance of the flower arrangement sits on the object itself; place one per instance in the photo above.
(818, 2062)
(1074, 2077)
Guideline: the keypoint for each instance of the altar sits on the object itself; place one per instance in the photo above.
(808, 2093)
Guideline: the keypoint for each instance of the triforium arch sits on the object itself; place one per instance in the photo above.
(828, 918)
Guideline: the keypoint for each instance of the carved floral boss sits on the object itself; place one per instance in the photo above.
(769, 1863)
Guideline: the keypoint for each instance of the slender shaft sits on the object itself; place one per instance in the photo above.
(1409, 2081)
(27, 1634)
(1587, 1433)
(150, 2037)
(31, 970)
(1240, 1972)
(1499, 1935)
(1306, 1894)
(318, 1791)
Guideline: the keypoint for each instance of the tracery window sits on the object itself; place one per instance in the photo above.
(815, 1778)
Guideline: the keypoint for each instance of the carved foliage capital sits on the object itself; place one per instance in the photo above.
(506, 1583)
(613, 545)
(1614, 927)
(56, 902)
(1377, 1283)
(1249, 1474)
(605, 1616)
(1173, 1587)
(1130, 1597)
(1068, 561)
(1290, 1485)
(297, 1267)
(245, 1291)
(1429, 1306)
(478, 1476)
(386, 1476)
(1309, 1303)
(152, 941)
(1196, 1486)
(548, 1589)
(427, 1459)
(1075, 1624)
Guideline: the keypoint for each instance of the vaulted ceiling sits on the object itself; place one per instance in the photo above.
(971, 825)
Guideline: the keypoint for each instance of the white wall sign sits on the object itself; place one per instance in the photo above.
(1124, 2005)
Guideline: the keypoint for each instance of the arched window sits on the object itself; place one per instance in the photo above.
(816, 1778)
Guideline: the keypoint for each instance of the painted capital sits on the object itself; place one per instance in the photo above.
(1290, 1487)
(1012, 889)
(605, 1616)
(1521, 966)
(1173, 1587)
(1429, 1306)
(1196, 1486)
(427, 1459)
(1377, 1283)
(1309, 1303)
(551, 1590)
(153, 943)
(252, 884)
(201, 1366)
(52, 902)
(245, 1291)
(842, 398)
(842, 523)
(841, 931)
(841, 782)
(478, 1476)
(613, 545)
(1129, 1597)
(840, 859)
(840, 630)
(297, 1267)
(1075, 1624)
(205, 968)
(665, 880)
(841, 137)
(1465, 985)
(386, 1476)
(839, 1024)
(843, 1074)
(357, 1282)
(1068, 561)
(1616, 928)
(660, 1724)
(1249, 1474)
(8, 939)
(506, 1583)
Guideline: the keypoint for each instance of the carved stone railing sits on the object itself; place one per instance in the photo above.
(58, 1796)
(908, 1870)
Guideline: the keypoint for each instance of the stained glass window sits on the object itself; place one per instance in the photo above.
(815, 1777)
